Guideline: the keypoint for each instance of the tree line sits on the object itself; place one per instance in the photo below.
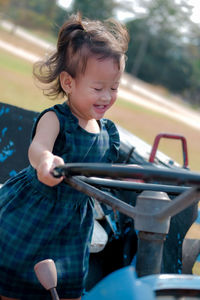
(164, 46)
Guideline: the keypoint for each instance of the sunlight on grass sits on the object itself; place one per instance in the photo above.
(12, 63)
(147, 124)
(196, 268)
(17, 84)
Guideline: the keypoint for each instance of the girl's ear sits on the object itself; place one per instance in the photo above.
(66, 82)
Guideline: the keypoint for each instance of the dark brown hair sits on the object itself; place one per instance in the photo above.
(78, 39)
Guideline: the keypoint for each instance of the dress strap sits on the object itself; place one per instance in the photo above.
(114, 139)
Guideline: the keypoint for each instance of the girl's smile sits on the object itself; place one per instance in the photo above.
(101, 108)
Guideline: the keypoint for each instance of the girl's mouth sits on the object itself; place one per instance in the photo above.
(100, 109)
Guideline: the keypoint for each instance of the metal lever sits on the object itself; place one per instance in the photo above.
(170, 136)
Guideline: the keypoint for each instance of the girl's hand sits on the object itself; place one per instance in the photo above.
(46, 165)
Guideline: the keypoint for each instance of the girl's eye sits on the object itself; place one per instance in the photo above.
(98, 90)
(114, 89)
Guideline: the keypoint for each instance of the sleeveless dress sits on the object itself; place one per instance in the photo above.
(39, 222)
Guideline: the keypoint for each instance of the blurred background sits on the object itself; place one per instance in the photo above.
(160, 91)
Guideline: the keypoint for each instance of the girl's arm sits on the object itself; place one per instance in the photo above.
(40, 150)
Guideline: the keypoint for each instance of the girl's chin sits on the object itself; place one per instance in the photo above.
(99, 116)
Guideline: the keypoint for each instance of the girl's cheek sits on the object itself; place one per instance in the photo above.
(114, 97)
(113, 101)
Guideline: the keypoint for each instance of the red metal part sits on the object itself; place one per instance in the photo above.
(170, 136)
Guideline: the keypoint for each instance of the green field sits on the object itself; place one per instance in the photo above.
(18, 88)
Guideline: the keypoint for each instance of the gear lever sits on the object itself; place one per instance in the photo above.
(46, 273)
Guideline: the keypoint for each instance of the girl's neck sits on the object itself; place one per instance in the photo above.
(91, 126)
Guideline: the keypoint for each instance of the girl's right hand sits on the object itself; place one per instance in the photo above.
(45, 167)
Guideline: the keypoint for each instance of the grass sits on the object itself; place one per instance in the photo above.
(44, 35)
(17, 85)
(147, 124)
(18, 88)
(19, 42)
(13, 64)
(196, 268)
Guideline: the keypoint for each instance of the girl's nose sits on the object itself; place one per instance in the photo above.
(106, 96)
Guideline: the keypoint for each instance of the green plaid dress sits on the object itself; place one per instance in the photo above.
(39, 222)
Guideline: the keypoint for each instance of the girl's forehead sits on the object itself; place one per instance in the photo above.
(102, 69)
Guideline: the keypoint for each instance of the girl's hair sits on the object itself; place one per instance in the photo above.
(78, 40)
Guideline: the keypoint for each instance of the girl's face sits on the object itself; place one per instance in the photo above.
(91, 94)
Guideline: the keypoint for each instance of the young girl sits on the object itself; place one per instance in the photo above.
(40, 216)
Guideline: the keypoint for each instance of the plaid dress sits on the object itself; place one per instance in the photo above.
(39, 222)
